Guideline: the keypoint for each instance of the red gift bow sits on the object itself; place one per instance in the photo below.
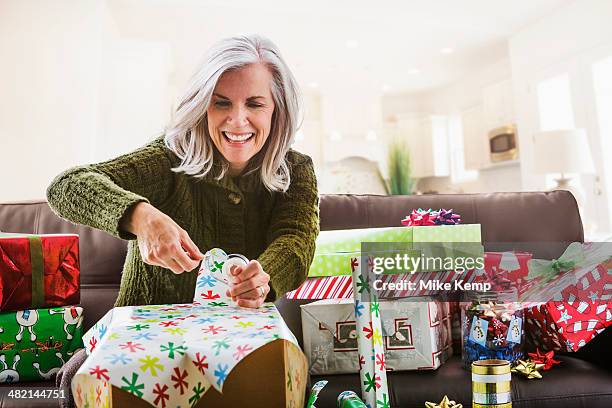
(544, 358)
(420, 218)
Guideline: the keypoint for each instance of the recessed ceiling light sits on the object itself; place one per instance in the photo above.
(352, 44)
(447, 50)
(313, 84)
(413, 71)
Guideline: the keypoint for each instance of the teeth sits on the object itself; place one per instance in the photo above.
(237, 137)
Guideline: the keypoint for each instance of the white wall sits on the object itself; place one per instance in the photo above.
(73, 92)
(48, 114)
(562, 41)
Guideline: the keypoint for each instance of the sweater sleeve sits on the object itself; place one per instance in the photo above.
(292, 232)
(98, 195)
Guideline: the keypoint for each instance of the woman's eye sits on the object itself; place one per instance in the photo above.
(255, 105)
(221, 104)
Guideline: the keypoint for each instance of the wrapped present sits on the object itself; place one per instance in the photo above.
(38, 271)
(415, 335)
(566, 326)
(334, 249)
(326, 287)
(570, 301)
(547, 279)
(207, 353)
(35, 343)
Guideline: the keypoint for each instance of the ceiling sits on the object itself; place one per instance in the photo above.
(343, 45)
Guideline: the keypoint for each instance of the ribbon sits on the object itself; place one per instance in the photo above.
(548, 270)
(38, 267)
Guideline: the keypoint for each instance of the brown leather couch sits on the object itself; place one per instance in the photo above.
(583, 380)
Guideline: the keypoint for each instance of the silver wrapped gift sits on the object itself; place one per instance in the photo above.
(416, 335)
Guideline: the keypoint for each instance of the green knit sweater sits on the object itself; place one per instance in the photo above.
(237, 215)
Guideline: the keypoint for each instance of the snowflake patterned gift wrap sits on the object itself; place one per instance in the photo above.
(209, 353)
(334, 249)
(35, 343)
(416, 335)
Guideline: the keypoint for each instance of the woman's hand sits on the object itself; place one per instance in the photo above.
(162, 242)
(249, 286)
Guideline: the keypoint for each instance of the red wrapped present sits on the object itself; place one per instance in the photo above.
(565, 326)
(38, 271)
(576, 314)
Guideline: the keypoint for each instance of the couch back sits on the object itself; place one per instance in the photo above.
(505, 217)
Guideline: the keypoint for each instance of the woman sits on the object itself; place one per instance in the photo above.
(221, 176)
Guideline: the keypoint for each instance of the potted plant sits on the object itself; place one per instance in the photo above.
(400, 182)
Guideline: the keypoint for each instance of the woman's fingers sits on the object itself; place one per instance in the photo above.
(162, 241)
(247, 272)
(189, 246)
(258, 292)
(251, 284)
(174, 266)
(183, 260)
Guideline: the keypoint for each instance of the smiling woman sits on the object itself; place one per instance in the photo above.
(222, 175)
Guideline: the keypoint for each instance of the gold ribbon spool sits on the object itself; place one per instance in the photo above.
(489, 367)
(491, 388)
(506, 405)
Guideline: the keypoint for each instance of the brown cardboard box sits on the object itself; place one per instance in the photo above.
(273, 376)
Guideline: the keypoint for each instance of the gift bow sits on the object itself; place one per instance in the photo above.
(420, 217)
(429, 217)
(547, 270)
(447, 217)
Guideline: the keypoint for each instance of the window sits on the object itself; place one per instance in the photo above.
(555, 111)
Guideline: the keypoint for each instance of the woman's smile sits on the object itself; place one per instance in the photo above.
(237, 139)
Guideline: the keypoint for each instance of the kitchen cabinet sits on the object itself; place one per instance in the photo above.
(498, 104)
(475, 139)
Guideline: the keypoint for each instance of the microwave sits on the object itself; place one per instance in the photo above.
(502, 144)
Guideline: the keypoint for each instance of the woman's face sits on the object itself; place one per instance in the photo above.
(240, 114)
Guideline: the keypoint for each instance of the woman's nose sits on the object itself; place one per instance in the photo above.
(238, 116)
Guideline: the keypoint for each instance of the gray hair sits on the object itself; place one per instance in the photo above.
(187, 135)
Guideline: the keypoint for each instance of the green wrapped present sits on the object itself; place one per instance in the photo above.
(335, 249)
(35, 343)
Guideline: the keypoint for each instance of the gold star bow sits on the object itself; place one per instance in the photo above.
(445, 403)
(528, 368)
